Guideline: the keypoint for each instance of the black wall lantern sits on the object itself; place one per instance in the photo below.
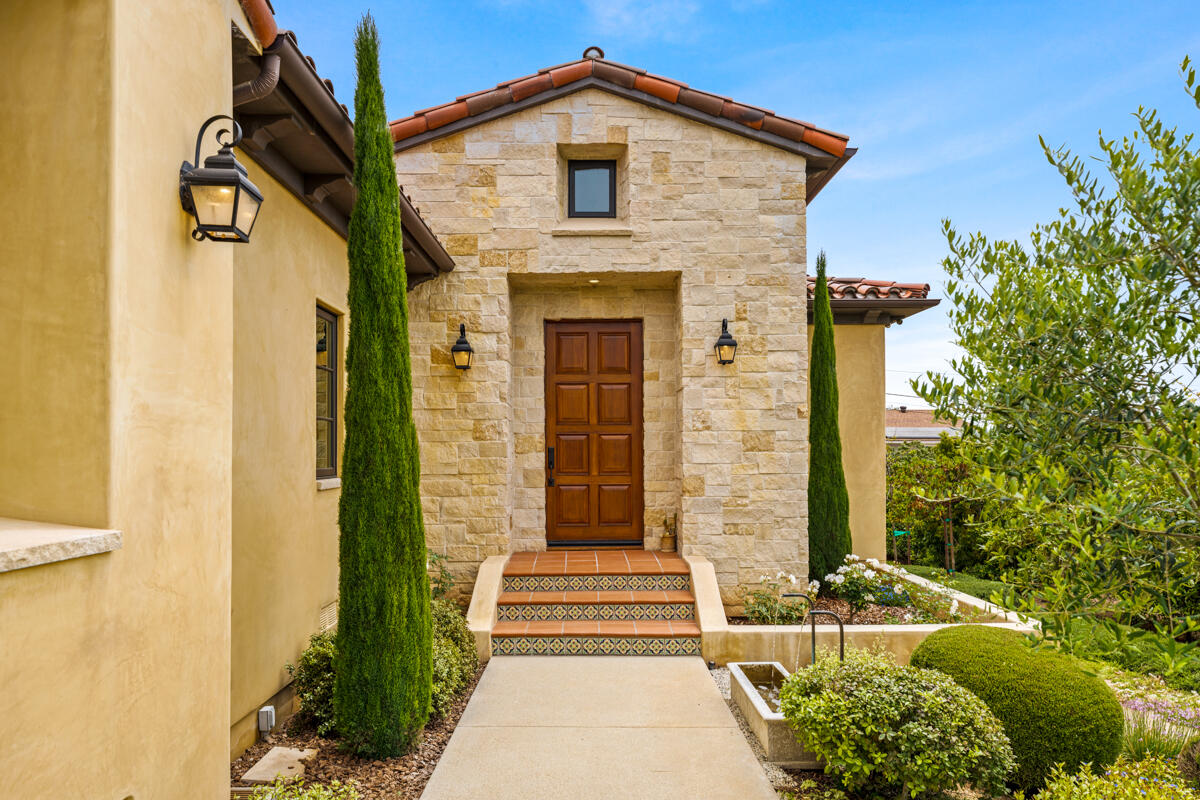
(462, 352)
(219, 195)
(726, 345)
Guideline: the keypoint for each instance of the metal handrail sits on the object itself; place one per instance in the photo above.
(811, 616)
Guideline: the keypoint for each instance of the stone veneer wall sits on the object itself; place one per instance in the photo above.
(724, 214)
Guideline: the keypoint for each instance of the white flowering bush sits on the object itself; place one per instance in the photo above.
(862, 582)
(766, 605)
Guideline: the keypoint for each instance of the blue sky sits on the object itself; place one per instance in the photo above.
(945, 100)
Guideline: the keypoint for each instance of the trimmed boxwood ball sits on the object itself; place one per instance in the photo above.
(1051, 710)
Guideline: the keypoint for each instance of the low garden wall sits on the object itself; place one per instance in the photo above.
(790, 645)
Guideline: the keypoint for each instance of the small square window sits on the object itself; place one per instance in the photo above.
(591, 188)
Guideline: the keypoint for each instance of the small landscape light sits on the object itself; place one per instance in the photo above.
(726, 345)
(219, 195)
(462, 352)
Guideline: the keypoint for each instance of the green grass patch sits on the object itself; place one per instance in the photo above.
(959, 581)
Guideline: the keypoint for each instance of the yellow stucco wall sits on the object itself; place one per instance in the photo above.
(118, 401)
(56, 124)
(861, 386)
(285, 535)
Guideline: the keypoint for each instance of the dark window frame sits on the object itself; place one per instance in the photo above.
(577, 164)
(331, 366)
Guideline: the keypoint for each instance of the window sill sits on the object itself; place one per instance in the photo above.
(592, 226)
(325, 484)
(24, 543)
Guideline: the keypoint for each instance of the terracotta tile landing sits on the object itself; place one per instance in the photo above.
(593, 562)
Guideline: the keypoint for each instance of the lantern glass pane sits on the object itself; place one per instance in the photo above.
(462, 358)
(214, 204)
(725, 353)
(247, 211)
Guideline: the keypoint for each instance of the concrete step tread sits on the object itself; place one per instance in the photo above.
(606, 628)
(596, 597)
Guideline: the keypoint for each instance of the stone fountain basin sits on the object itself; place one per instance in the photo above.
(767, 723)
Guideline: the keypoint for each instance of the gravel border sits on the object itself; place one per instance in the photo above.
(781, 780)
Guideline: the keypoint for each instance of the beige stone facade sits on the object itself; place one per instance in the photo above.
(710, 225)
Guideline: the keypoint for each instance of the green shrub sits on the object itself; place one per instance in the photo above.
(1188, 762)
(1052, 712)
(1152, 779)
(454, 655)
(766, 605)
(284, 789)
(882, 727)
(313, 681)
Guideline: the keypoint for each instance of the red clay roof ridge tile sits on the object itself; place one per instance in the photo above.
(867, 289)
(662, 88)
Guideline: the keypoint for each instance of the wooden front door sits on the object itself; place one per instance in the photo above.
(594, 433)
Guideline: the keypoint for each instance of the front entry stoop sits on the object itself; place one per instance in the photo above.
(589, 602)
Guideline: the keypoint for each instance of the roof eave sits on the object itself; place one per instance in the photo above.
(875, 311)
(315, 109)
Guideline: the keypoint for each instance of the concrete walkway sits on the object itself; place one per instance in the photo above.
(583, 727)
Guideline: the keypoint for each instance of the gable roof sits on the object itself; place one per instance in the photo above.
(825, 150)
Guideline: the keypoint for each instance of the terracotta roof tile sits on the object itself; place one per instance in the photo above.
(445, 115)
(571, 73)
(613, 73)
(703, 101)
(486, 101)
(530, 86)
(864, 289)
(666, 89)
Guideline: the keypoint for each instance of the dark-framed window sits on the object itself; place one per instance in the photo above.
(327, 371)
(591, 188)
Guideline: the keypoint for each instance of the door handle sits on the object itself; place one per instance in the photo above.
(550, 466)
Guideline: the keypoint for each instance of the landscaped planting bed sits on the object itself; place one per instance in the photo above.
(400, 778)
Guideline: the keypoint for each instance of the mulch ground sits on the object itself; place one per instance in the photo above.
(871, 615)
(400, 778)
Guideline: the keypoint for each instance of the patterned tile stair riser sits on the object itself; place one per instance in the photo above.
(572, 611)
(591, 583)
(594, 646)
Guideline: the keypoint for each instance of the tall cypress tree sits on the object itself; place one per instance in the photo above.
(384, 659)
(828, 502)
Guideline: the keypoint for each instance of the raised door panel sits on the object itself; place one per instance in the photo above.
(571, 403)
(614, 454)
(572, 354)
(571, 453)
(613, 353)
(614, 404)
(615, 504)
(573, 505)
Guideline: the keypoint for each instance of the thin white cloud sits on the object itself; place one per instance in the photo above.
(667, 20)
